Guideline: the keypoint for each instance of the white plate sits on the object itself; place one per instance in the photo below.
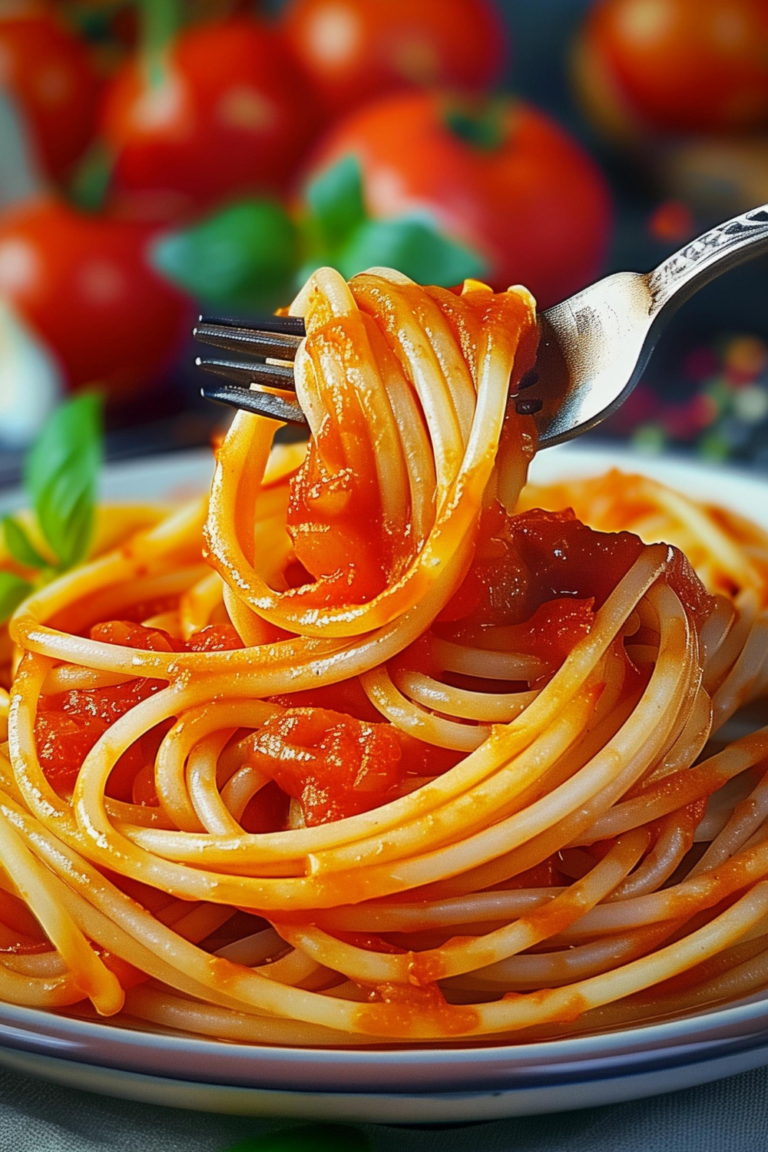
(424, 1085)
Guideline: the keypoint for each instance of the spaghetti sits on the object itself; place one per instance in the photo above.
(379, 745)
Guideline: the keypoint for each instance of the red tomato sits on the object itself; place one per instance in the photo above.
(533, 204)
(675, 65)
(357, 49)
(49, 74)
(85, 285)
(230, 114)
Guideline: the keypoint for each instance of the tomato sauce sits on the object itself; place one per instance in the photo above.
(334, 514)
(528, 560)
(215, 638)
(347, 696)
(397, 1010)
(536, 582)
(70, 723)
(15, 915)
(267, 811)
(370, 942)
(533, 588)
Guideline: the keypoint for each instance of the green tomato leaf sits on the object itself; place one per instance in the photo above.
(20, 546)
(12, 591)
(336, 203)
(61, 474)
(311, 1138)
(412, 244)
(244, 256)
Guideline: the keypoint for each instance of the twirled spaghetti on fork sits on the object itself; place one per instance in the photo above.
(370, 747)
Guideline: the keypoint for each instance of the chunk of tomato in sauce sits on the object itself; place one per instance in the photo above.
(553, 631)
(267, 811)
(550, 635)
(526, 561)
(335, 515)
(130, 635)
(334, 765)
(348, 696)
(64, 741)
(567, 558)
(420, 759)
(70, 723)
(215, 638)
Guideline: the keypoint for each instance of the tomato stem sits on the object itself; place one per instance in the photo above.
(96, 25)
(481, 125)
(89, 187)
(160, 24)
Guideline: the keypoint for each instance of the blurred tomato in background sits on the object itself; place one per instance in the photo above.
(85, 285)
(675, 65)
(216, 111)
(354, 50)
(496, 174)
(164, 157)
(49, 74)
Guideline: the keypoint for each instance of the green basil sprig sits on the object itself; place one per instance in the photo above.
(60, 476)
(254, 254)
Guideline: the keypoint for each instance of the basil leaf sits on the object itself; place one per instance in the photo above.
(310, 1138)
(61, 474)
(335, 199)
(77, 529)
(412, 244)
(20, 546)
(12, 591)
(242, 257)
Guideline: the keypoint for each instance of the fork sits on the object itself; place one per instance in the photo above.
(593, 347)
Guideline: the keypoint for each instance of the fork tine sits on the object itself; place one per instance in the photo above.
(243, 372)
(259, 343)
(261, 403)
(285, 325)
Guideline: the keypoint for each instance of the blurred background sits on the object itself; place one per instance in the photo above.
(159, 158)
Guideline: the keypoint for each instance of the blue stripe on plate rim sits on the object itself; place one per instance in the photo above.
(670, 1044)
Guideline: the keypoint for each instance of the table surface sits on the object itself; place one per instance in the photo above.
(728, 1116)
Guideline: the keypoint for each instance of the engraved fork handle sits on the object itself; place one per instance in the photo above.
(705, 258)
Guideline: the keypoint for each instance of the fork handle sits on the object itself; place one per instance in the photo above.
(705, 258)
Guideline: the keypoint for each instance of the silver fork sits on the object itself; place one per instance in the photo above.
(593, 348)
